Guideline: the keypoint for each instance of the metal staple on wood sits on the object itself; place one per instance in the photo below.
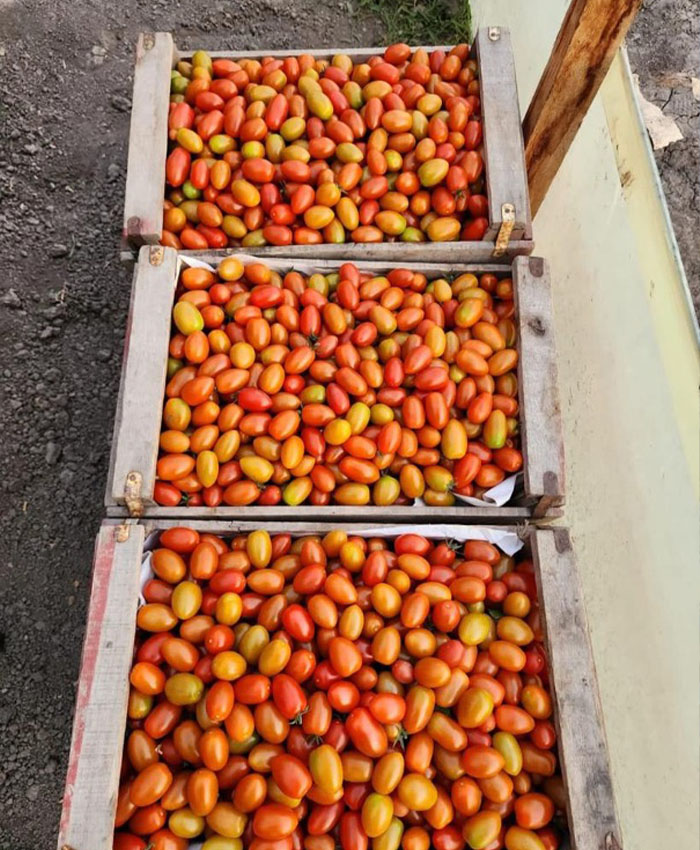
(506, 228)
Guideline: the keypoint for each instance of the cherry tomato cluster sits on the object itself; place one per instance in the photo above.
(302, 151)
(315, 693)
(344, 388)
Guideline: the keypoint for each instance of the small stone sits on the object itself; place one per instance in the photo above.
(103, 354)
(33, 792)
(53, 453)
(31, 149)
(113, 172)
(58, 250)
(120, 103)
(11, 299)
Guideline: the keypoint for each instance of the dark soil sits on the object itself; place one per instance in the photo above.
(65, 83)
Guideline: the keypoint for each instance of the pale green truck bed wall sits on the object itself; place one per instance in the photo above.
(629, 374)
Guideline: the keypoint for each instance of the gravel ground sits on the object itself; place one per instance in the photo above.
(666, 59)
(65, 81)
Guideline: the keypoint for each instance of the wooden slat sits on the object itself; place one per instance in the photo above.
(148, 140)
(589, 37)
(540, 414)
(579, 719)
(92, 782)
(504, 161)
(140, 407)
(465, 514)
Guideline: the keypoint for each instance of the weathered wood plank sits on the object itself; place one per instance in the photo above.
(465, 514)
(140, 405)
(588, 39)
(148, 140)
(92, 783)
(579, 719)
(504, 161)
(538, 394)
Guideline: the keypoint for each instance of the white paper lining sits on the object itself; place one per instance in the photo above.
(495, 497)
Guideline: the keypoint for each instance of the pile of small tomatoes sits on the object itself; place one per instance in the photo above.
(302, 150)
(332, 692)
(343, 388)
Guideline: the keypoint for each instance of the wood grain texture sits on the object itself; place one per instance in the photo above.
(538, 393)
(465, 514)
(92, 782)
(588, 39)
(579, 719)
(504, 158)
(140, 405)
(148, 140)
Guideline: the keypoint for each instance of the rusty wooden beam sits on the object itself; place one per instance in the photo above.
(587, 42)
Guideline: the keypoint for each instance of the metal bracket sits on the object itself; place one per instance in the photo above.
(123, 532)
(155, 255)
(494, 33)
(506, 228)
(132, 494)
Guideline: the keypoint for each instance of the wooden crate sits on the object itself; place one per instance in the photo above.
(506, 178)
(139, 410)
(89, 803)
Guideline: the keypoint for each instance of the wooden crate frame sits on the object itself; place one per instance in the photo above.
(89, 803)
(137, 427)
(506, 177)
